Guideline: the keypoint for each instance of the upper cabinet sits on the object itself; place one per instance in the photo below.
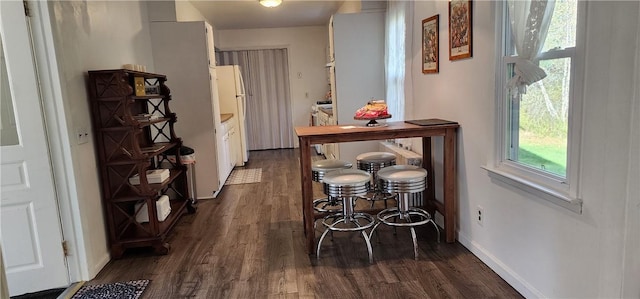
(184, 51)
(356, 43)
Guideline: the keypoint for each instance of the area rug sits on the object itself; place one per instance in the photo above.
(244, 176)
(46, 294)
(119, 290)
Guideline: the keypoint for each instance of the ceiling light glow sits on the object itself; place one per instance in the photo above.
(270, 3)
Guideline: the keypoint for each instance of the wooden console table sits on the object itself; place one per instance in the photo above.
(348, 133)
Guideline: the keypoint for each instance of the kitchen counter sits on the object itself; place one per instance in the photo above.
(328, 111)
(225, 117)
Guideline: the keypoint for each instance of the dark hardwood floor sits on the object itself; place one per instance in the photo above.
(248, 243)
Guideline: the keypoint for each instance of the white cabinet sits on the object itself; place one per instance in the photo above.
(226, 154)
(223, 155)
(355, 78)
(326, 118)
(184, 52)
(226, 169)
(234, 146)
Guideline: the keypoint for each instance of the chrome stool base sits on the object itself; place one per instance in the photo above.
(379, 196)
(406, 181)
(328, 204)
(423, 216)
(339, 218)
(347, 185)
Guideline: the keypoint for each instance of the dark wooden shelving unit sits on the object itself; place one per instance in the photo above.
(128, 145)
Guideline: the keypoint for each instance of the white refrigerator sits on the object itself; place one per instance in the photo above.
(231, 94)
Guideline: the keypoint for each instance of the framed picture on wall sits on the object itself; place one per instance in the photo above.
(460, 37)
(430, 44)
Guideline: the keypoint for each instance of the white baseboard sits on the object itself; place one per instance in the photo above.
(98, 266)
(215, 194)
(511, 277)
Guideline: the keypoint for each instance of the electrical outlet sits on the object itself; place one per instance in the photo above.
(82, 135)
(480, 215)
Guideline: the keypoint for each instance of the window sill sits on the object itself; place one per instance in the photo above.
(559, 198)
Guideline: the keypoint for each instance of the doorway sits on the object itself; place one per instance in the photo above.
(266, 77)
(30, 221)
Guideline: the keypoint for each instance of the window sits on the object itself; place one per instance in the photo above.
(540, 110)
(395, 33)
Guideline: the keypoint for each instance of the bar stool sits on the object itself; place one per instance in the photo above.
(404, 180)
(372, 162)
(347, 185)
(319, 168)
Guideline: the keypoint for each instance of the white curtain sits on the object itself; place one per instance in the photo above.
(266, 79)
(529, 21)
(394, 57)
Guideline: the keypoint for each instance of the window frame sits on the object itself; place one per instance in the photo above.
(564, 192)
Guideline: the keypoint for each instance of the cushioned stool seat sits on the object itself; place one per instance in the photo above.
(347, 185)
(372, 162)
(404, 180)
(318, 170)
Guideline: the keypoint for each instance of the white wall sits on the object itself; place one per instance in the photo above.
(350, 7)
(356, 6)
(91, 35)
(173, 11)
(161, 11)
(358, 77)
(306, 48)
(541, 249)
(185, 12)
(632, 234)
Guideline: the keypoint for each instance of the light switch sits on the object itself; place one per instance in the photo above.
(82, 135)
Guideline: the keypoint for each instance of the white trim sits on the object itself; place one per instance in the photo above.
(57, 132)
(510, 276)
(630, 260)
(408, 70)
(500, 84)
(102, 262)
(575, 139)
(556, 54)
(550, 194)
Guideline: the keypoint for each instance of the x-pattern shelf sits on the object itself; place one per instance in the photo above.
(134, 134)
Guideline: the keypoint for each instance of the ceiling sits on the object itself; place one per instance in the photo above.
(246, 14)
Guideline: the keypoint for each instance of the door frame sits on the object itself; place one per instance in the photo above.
(630, 259)
(57, 131)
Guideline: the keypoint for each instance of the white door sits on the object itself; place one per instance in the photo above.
(31, 232)
(241, 99)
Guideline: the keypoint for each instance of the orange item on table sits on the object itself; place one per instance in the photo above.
(373, 109)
